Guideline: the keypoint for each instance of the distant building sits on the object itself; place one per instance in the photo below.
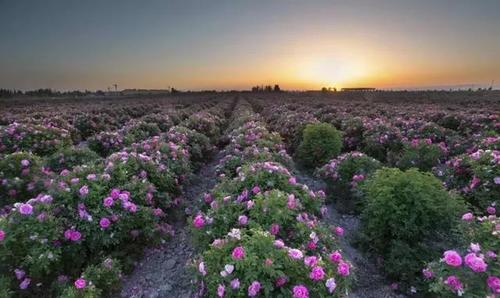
(358, 89)
(143, 91)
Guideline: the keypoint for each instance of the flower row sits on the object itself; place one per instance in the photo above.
(90, 220)
(259, 230)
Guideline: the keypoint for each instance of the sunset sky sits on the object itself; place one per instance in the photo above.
(234, 44)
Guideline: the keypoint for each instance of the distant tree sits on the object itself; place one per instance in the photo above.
(268, 88)
(324, 89)
(47, 92)
(173, 90)
(277, 88)
(6, 93)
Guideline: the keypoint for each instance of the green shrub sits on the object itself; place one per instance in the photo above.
(343, 177)
(421, 155)
(20, 177)
(320, 143)
(404, 214)
(100, 281)
(70, 157)
(473, 175)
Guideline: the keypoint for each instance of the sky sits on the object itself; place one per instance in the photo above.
(236, 44)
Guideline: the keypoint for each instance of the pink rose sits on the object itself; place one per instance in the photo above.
(235, 283)
(80, 283)
(291, 203)
(336, 256)
(115, 193)
(317, 273)
(72, 235)
(20, 274)
(300, 291)
(26, 209)
(295, 254)
(331, 285)
(254, 288)
(311, 245)
(238, 253)
(104, 223)
(207, 198)
(475, 263)
(275, 229)
(242, 220)
(454, 283)
(199, 221)
(220, 290)
(281, 281)
(157, 212)
(427, 273)
(310, 261)
(108, 202)
(452, 258)
(494, 284)
(468, 216)
(343, 268)
(84, 190)
(25, 284)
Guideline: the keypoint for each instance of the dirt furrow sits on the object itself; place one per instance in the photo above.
(370, 283)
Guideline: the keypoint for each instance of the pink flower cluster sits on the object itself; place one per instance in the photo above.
(72, 234)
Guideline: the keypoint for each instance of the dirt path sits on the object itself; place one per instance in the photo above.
(370, 282)
(164, 271)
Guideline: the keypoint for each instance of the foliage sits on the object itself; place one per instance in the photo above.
(402, 214)
(320, 143)
(21, 177)
(267, 268)
(421, 154)
(479, 269)
(68, 158)
(344, 176)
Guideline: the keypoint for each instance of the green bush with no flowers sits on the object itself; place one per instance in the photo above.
(405, 214)
(320, 143)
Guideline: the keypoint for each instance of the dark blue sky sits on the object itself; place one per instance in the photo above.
(235, 44)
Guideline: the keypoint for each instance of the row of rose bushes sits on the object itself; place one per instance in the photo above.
(466, 160)
(21, 182)
(134, 131)
(259, 231)
(85, 118)
(44, 133)
(367, 125)
(92, 217)
(406, 217)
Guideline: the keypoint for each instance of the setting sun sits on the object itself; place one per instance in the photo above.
(332, 72)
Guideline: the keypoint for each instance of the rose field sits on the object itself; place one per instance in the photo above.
(240, 194)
